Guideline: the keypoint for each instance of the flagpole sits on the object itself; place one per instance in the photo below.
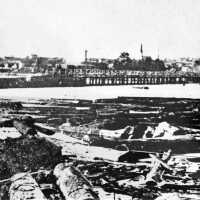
(141, 51)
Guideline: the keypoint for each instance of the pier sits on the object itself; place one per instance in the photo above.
(88, 77)
(140, 80)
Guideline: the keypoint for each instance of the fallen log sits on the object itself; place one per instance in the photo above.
(165, 196)
(72, 146)
(73, 184)
(32, 173)
(180, 186)
(24, 128)
(178, 146)
(6, 122)
(114, 163)
(44, 129)
(24, 187)
(11, 105)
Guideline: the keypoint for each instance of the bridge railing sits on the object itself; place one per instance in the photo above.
(110, 73)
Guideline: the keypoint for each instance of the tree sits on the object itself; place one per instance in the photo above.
(123, 61)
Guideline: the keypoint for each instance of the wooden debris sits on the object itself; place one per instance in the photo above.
(103, 161)
(25, 187)
(44, 129)
(6, 122)
(91, 152)
(11, 104)
(167, 196)
(73, 184)
(162, 163)
(152, 144)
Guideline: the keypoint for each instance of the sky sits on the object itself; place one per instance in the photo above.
(65, 28)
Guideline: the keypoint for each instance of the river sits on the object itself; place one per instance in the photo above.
(95, 92)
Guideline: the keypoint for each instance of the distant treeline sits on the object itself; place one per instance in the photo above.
(124, 62)
(145, 64)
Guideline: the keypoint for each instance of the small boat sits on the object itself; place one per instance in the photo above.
(145, 87)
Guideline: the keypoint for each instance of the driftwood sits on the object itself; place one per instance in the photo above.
(44, 129)
(27, 126)
(165, 196)
(153, 144)
(25, 187)
(6, 122)
(73, 184)
(74, 147)
(91, 152)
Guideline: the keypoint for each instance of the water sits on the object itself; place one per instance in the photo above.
(95, 92)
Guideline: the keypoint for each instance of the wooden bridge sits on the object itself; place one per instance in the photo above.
(140, 80)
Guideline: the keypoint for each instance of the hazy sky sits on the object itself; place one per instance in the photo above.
(105, 27)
